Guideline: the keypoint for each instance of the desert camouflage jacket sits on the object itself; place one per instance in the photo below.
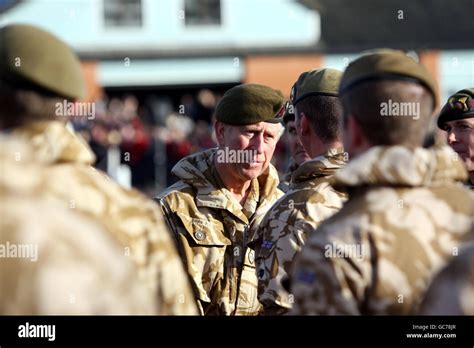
(135, 221)
(54, 260)
(216, 235)
(407, 214)
(452, 291)
(284, 184)
(310, 200)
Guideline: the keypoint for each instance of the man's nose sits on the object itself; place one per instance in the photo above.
(298, 142)
(259, 143)
(451, 137)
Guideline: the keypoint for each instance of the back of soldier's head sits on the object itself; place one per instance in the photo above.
(37, 70)
(315, 94)
(391, 96)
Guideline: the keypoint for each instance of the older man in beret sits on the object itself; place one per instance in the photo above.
(311, 198)
(38, 73)
(221, 197)
(408, 211)
(457, 119)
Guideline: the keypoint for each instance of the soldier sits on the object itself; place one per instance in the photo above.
(452, 291)
(38, 74)
(407, 211)
(221, 197)
(311, 199)
(298, 154)
(54, 260)
(457, 119)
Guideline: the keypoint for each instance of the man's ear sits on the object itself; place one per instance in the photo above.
(219, 128)
(305, 125)
(354, 137)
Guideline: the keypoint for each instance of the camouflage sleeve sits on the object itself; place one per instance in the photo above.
(280, 243)
(452, 290)
(66, 271)
(174, 286)
(137, 223)
(325, 281)
(186, 299)
(203, 246)
(284, 233)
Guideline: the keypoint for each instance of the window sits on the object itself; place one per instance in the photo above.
(122, 13)
(202, 12)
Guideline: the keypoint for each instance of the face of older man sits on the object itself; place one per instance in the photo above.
(460, 136)
(252, 147)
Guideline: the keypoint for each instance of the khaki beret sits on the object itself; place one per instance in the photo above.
(249, 104)
(459, 106)
(316, 82)
(33, 58)
(386, 64)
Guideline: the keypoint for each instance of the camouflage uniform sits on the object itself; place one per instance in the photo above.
(452, 291)
(135, 221)
(285, 180)
(310, 200)
(53, 260)
(407, 214)
(216, 235)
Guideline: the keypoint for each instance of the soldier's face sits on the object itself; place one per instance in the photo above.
(298, 153)
(256, 141)
(460, 136)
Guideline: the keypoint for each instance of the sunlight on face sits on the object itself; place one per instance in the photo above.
(460, 136)
(259, 139)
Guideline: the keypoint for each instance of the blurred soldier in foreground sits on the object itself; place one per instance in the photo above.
(452, 290)
(311, 199)
(222, 196)
(457, 119)
(38, 75)
(298, 154)
(407, 212)
(54, 260)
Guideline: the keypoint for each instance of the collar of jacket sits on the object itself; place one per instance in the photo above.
(19, 174)
(321, 166)
(401, 166)
(51, 142)
(195, 170)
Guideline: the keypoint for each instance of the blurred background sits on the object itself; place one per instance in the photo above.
(155, 70)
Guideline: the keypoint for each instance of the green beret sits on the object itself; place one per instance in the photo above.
(35, 59)
(316, 82)
(459, 106)
(386, 64)
(249, 104)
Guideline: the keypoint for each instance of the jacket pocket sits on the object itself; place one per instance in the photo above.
(204, 245)
(204, 232)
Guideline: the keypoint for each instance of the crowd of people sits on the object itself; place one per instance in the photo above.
(370, 220)
(154, 134)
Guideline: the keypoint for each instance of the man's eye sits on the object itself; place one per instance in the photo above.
(292, 131)
(464, 126)
(270, 137)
